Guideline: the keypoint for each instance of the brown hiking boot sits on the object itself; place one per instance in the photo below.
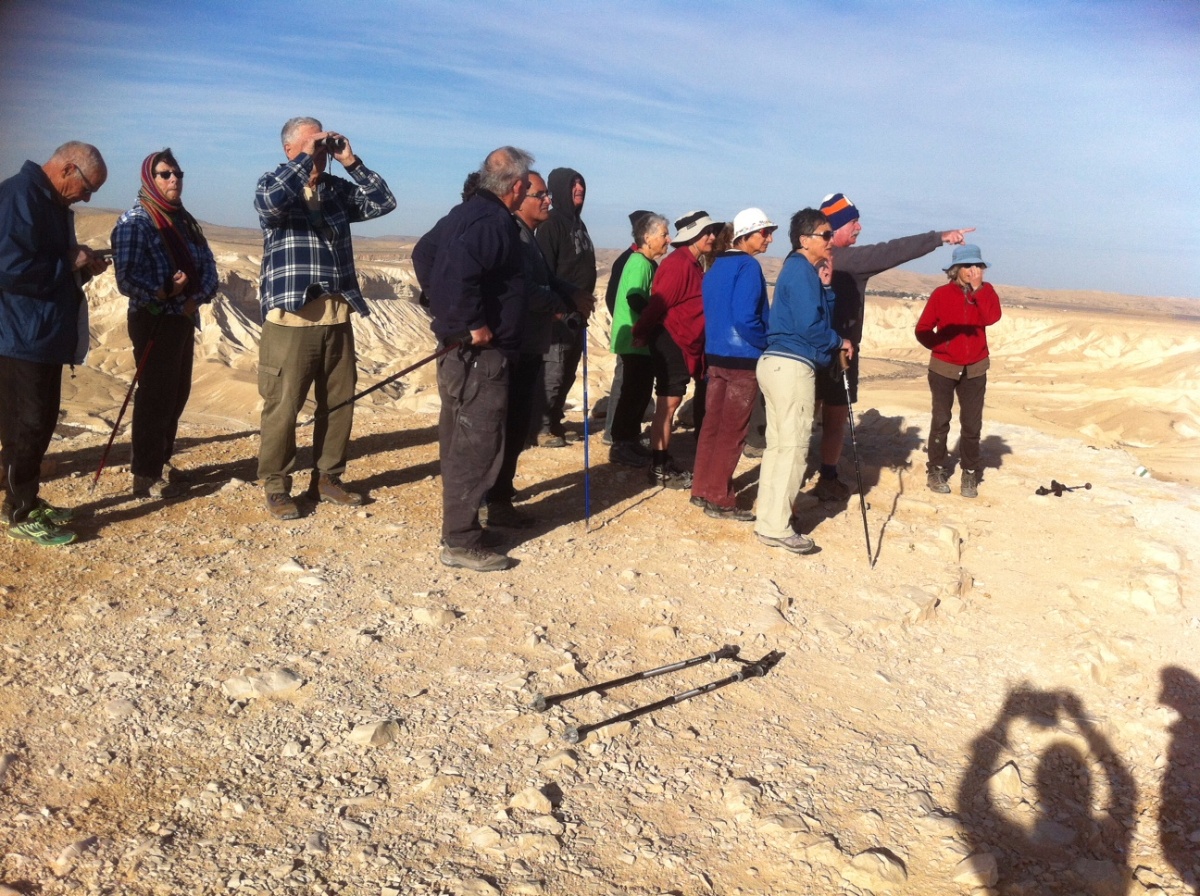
(479, 559)
(970, 484)
(330, 489)
(281, 506)
(830, 488)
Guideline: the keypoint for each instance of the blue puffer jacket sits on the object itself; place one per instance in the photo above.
(801, 325)
(735, 311)
(40, 300)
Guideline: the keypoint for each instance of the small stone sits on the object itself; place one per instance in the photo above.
(548, 824)
(560, 759)
(71, 854)
(484, 838)
(292, 566)
(250, 684)
(532, 800)
(316, 844)
(119, 709)
(375, 734)
(6, 762)
(279, 872)
(437, 618)
(311, 581)
(664, 633)
(477, 886)
(292, 749)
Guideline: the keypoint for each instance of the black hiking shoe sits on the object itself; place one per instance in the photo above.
(969, 486)
(479, 559)
(936, 479)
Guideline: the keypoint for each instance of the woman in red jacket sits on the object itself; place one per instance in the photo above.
(953, 327)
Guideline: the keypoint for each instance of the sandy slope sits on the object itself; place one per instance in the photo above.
(986, 684)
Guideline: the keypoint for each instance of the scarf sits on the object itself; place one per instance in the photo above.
(175, 225)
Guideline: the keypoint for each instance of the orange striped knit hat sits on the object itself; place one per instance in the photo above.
(838, 209)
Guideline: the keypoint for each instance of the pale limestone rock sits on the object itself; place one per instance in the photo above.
(877, 870)
(476, 886)
(531, 800)
(375, 734)
(438, 618)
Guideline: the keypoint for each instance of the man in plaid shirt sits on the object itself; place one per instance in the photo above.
(307, 292)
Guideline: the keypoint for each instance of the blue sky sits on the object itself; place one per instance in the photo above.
(1066, 132)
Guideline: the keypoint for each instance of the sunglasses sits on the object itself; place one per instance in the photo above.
(168, 174)
(87, 184)
(826, 235)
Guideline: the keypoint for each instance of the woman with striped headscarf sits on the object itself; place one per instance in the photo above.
(165, 267)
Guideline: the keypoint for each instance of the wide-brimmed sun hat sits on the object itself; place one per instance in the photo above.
(965, 254)
(749, 220)
(691, 225)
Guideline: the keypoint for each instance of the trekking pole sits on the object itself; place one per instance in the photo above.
(752, 670)
(862, 501)
(541, 704)
(391, 379)
(587, 472)
(121, 413)
(1057, 488)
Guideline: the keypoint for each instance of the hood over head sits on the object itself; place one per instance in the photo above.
(559, 183)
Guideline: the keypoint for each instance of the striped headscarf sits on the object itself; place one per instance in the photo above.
(175, 224)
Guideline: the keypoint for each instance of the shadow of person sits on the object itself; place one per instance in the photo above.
(992, 451)
(1179, 809)
(1041, 824)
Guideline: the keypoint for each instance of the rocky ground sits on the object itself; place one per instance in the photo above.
(999, 696)
(198, 699)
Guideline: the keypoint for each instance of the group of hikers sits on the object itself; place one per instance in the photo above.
(509, 277)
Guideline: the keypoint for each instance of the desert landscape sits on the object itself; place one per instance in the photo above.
(989, 696)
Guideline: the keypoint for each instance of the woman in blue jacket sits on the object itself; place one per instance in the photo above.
(800, 341)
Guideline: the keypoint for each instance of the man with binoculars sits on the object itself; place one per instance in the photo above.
(308, 290)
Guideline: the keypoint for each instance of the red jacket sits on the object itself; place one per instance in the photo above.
(952, 324)
(677, 302)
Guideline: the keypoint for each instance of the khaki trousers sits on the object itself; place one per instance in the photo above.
(789, 388)
(291, 361)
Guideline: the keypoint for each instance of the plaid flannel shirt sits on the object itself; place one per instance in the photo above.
(302, 248)
(143, 267)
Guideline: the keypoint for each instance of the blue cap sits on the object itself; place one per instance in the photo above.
(965, 255)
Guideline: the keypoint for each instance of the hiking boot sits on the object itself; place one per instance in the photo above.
(830, 488)
(331, 490)
(479, 559)
(717, 512)
(797, 543)
(178, 475)
(502, 513)
(281, 506)
(749, 450)
(937, 480)
(150, 487)
(697, 501)
(37, 528)
(628, 454)
(970, 484)
(669, 476)
(551, 440)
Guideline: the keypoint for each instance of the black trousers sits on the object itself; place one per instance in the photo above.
(521, 390)
(30, 396)
(557, 378)
(163, 387)
(473, 384)
(635, 393)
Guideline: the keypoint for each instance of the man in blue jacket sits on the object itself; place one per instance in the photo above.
(470, 267)
(43, 323)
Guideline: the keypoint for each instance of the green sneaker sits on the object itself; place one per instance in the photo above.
(58, 516)
(37, 528)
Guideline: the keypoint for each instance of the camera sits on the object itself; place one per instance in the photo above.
(332, 144)
(573, 321)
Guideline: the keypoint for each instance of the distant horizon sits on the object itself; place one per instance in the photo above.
(253, 229)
